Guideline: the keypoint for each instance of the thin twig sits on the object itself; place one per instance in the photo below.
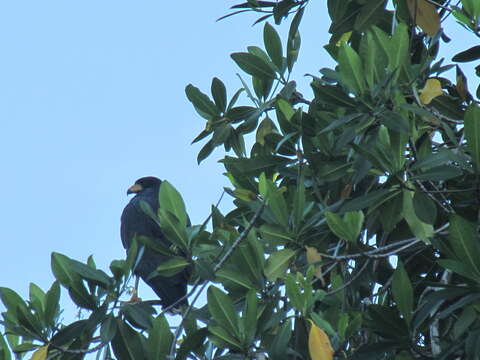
(353, 278)
(374, 253)
(217, 267)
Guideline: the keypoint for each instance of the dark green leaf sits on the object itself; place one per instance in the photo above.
(468, 55)
(375, 197)
(219, 94)
(108, 329)
(395, 121)
(250, 314)
(369, 14)
(403, 291)
(69, 333)
(273, 45)
(86, 272)
(4, 350)
(227, 277)
(472, 133)
(294, 40)
(52, 306)
(171, 200)
(204, 106)
(139, 315)
(278, 347)
(221, 307)
(127, 344)
(424, 207)
(170, 267)
(159, 339)
(464, 241)
(253, 65)
(277, 263)
(439, 173)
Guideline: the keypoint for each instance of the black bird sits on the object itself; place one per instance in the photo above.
(135, 221)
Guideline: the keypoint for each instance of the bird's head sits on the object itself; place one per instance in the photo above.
(144, 183)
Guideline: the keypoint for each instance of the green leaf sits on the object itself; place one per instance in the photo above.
(37, 298)
(108, 329)
(369, 14)
(223, 338)
(202, 103)
(277, 263)
(170, 267)
(424, 207)
(192, 343)
(228, 276)
(279, 345)
(419, 228)
(52, 306)
(253, 65)
(275, 233)
(139, 315)
(323, 324)
(472, 7)
(11, 300)
(472, 133)
(470, 54)
(439, 173)
(219, 94)
(347, 228)
(221, 307)
(396, 122)
(294, 40)
(398, 48)
(403, 291)
(463, 239)
(171, 200)
(376, 197)
(351, 69)
(173, 229)
(86, 272)
(273, 45)
(68, 333)
(4, 350)
(127, 344)
(459, 267)
(62, 269)
(249, 317)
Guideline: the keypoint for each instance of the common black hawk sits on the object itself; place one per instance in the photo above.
(135, 221)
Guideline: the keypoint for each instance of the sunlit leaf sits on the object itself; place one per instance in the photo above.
(430, 91)
(41, 353)
(319, 345)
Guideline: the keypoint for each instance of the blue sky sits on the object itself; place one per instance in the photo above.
(92, 98)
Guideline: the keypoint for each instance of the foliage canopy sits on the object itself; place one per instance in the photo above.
(355, 228)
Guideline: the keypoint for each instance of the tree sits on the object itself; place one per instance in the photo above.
(355, 229)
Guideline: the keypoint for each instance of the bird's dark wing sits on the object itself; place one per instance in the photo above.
(135, 222)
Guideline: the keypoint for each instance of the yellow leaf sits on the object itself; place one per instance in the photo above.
(40, 354)
(314, 257)
(426, 16)
(319, 344)
(430, 91)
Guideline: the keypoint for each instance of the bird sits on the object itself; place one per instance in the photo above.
(135, 222)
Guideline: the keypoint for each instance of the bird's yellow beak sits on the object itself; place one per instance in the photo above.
(135, 188)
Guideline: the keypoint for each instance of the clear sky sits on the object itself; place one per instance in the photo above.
(92, 98)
